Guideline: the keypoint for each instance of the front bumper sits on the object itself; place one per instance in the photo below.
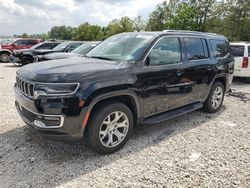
(50, 122)
(14, 59)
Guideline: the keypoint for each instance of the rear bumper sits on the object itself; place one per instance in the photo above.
(242, 72)
(59, 126)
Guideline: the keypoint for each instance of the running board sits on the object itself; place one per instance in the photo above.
(159, 118)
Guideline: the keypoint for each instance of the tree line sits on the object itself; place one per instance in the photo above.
(230, 18)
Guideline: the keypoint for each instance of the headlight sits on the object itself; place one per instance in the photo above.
(40, 56)
(55, 89)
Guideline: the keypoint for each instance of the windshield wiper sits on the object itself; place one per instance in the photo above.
(100, 57)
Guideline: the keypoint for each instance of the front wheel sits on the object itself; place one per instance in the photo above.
(27, 60)
(215, 98)
(4, 57)
(109, 128)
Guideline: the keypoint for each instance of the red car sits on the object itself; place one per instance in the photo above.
(17, 44)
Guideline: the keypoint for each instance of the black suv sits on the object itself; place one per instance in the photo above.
(25, 56)
(129, 79)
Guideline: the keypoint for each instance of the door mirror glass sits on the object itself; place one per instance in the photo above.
(165, 51)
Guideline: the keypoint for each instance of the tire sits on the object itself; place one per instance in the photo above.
(248, 80)
(217, 93)
(4, 57)
(100, 130)
(27, 60)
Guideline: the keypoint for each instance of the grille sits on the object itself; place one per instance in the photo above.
(26, 87)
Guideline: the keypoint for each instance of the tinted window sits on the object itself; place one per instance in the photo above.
(195, 48)
(219, 47)
(20, 42)
(165, 51)
(248, 51)
(237, 51)
(31, 42)
(73, 46)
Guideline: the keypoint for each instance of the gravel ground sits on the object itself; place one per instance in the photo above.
(194, 150)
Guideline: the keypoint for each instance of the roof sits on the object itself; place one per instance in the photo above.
(183, 32)
(240, 43)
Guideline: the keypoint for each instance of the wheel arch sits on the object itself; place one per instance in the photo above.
(5, 51)
(126, 97)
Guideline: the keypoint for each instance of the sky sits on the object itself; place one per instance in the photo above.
(38, 16)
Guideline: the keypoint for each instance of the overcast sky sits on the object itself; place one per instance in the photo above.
(38, 16)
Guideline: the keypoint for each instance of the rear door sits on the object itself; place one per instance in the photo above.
(199, 69)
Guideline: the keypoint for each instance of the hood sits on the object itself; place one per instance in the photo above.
(21, 51)
(61, 55)
(68, 70)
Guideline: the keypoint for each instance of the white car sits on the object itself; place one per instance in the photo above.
(241, 53)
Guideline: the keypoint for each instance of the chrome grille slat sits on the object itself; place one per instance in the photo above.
(25, 87)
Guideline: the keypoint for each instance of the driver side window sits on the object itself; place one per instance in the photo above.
(165, 51)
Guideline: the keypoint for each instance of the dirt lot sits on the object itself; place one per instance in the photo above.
(194, 150)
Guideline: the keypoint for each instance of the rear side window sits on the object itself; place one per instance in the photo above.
(248, 51)
(220, 48)
(196, 48)
(237, 50)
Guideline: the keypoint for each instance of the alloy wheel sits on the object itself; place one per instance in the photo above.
(114, 129)
(217, 97)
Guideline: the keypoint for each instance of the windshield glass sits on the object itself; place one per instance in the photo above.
(122, 47)
(84, 48)
(61, 46)
(37, 45)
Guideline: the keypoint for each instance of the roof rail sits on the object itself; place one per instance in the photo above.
(189, 32)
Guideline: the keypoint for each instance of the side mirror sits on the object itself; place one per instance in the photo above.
(147, 61)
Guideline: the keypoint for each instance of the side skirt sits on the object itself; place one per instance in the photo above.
(172, 113)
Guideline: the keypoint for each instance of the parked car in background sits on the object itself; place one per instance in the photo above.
(130, 78)
(241, 53)
(25, 56)
(69, 46)
(17, 44)
(79, 51)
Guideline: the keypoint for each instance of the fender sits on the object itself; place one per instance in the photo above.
(110, 95)
(221, 75)
(5, 50)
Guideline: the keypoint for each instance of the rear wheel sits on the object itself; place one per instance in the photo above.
(4, 57)
(248, 80)
(215, 98)
(109, 127)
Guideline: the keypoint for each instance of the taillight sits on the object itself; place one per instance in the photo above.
(245, 62)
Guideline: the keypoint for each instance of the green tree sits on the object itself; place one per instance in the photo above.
(61, 32)
(139, 24)
(184, 18)
(88, 32)
(25, 35)
(159, 17)
(125, 24)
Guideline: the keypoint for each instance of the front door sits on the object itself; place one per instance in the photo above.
(165, 83)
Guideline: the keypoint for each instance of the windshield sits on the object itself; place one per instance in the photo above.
(37, 45)
(84, 48)
(62, 46)
(7, 41)
(122, 47)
